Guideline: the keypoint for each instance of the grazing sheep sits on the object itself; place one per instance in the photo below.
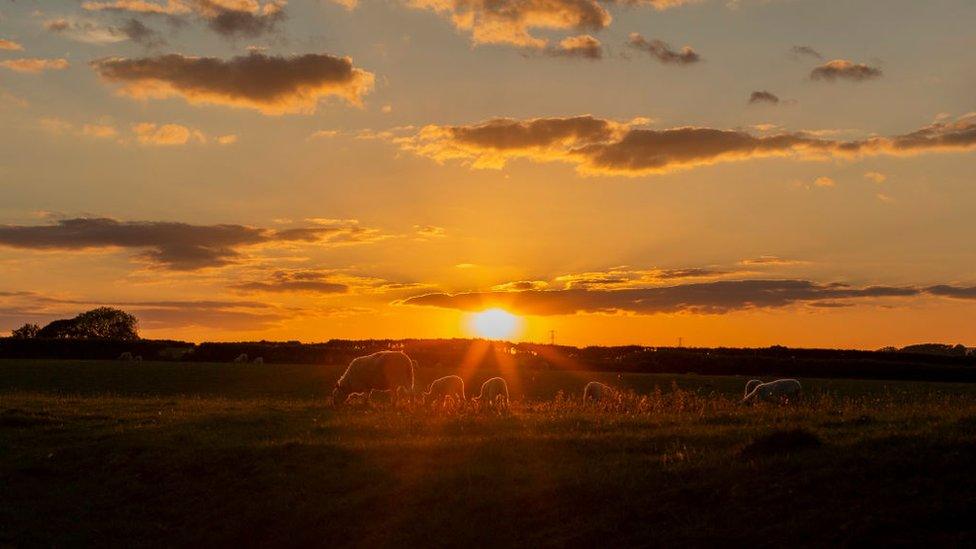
(597, 391)
(241, 358)
(383, 371)
(259, 360)
(781, 389)
(443, 388)
(494, 392)
(125, 356)
(750, 385)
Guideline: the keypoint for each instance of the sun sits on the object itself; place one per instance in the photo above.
(495, 323)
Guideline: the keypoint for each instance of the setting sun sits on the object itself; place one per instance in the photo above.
(495, 324)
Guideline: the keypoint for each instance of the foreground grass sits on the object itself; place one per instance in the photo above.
(674, 466)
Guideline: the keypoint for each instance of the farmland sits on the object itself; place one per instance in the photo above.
(154, 454)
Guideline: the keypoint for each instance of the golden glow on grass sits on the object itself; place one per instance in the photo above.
(495, 324)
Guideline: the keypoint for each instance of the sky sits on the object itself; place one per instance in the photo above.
(737, 173)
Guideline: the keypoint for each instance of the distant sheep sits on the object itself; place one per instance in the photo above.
(494, 392)
(241, 358)
(597, 391)
(125, 356)
(259, 360)
(443, 388)
(781, 389)
(383, 371)
(750, 385)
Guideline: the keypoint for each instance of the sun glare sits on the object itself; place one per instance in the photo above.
(495, 324)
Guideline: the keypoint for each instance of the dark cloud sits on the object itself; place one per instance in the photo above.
(598, 146)
(662, 51)
(171, 245)
(763, 96)
(230, 315)
(270, 84)
(844, 69)
(584, 46)
(140, 33)
(242, 22)
(704, 298)
(806, 50)
(957, 292)
(233, 19)
(294, 282)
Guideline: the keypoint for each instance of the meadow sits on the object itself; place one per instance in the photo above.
(163, 454)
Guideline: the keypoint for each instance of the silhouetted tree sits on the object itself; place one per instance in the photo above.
(100, 323)
(27, 331)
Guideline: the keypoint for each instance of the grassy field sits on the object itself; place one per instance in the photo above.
(161, 454)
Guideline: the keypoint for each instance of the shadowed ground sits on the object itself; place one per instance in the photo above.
(888, 464)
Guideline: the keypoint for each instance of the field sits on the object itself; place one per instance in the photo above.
(164, 454)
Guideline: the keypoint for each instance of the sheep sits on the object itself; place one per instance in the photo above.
(750, 385)
(494, 392)
(259, 360)
(125, 356)
(781, 389)
(241, 358)
(137, 358)
(443, 388)
(597, 391)
(382, 371)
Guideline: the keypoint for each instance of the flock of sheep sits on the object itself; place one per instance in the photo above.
(392, 372)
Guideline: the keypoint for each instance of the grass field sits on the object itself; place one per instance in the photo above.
(163, 454)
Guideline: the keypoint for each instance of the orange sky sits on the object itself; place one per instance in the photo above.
(729, 173)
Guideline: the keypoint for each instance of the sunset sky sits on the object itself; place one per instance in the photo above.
(741, 172)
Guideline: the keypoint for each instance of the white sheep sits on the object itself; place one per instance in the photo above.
(750, 385)
(125, 356)
(241, 358)
(259, 360)
(597, 391)
(781, 389)
(383, 371)
(494, 392)
(443, 388)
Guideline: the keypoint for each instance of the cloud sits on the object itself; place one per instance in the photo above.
(510, 21)
(100, 131)
(166, 135)
(877, 177)
(10, 45)
(584, 46)
(138, 32)
(956, 292)
(606, 147)
(34, 65)
(86, 31)
(429, 232)
(716, 297)
(513, 22)
(270, 84)
(521, 286)
(294, 282)
(231, 18)
(173, 245)
(844, 69)
(770, 260)
(805, 50)
(228, 139)
(624, 277)
(763, 96)
(824, 181)
(662, 51)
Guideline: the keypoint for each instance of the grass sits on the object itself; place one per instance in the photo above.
(102, 453)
